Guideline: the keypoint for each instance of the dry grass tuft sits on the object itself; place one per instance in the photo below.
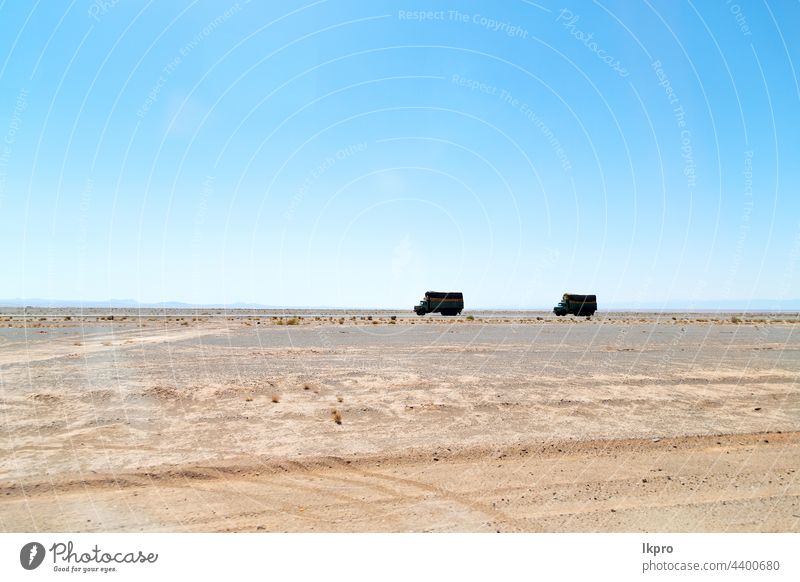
(275, 398)
(306, 386)
(337, 416)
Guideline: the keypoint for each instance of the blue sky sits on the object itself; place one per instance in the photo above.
(345, 153)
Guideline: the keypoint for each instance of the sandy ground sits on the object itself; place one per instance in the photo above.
(127, 420)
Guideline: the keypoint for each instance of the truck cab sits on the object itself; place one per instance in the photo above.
(561, 308)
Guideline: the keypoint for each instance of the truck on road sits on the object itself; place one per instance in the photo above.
(444, 302)
(584, 305)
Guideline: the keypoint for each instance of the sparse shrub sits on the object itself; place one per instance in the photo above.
(279, 322)
(339, 399)
(374, 322)
(393, 318)
(275, 398)
(68, 318)
(306, 386)
(337, 416)
(292, 321)
(735, 319)
(369, 318)
(470, 318)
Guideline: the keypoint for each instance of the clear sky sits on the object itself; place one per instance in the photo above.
(343, 153)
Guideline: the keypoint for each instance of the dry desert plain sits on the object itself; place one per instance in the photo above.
(211, 420)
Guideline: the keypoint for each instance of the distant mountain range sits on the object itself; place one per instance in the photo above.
(670, 305)
(711, 304)
(128, 303)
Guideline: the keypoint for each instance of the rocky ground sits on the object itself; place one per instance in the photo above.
(206, 420)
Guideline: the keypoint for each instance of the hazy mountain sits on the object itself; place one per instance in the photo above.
(671, 305)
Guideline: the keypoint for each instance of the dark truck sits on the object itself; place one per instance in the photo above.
(446, 303)
(584, 305)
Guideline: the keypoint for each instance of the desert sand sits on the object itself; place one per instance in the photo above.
(209, 420)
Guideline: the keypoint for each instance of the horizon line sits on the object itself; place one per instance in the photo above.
(667, 305)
